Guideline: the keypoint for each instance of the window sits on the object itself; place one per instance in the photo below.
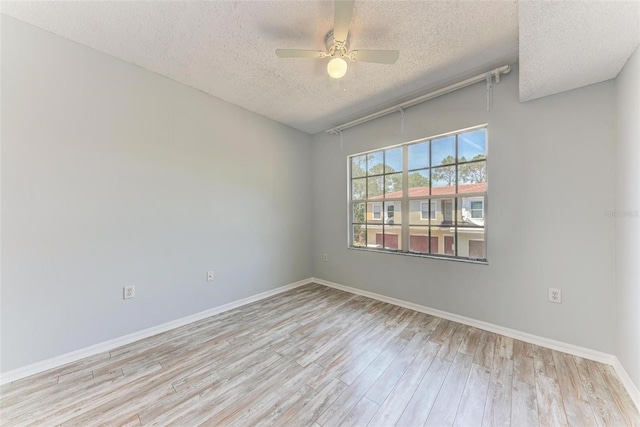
(425, 197)
(477, 209)
(390, 213)
(377, 211)
(425, 213)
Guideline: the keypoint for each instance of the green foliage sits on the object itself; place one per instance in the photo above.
(446, 174)
(473, 173)
(417, 180)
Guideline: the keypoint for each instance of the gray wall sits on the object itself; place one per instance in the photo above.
(551, 177)
(628, 224)
(114, 175)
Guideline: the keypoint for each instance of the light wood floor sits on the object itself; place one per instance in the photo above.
(319, 356)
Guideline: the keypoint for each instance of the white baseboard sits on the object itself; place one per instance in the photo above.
(105, 346)
(626, 381)
(575, 350)
(522, 336)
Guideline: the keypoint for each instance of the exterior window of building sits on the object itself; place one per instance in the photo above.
(425, 197)
(390, 214)
(477, 209)
(425, 212)
(377, 211)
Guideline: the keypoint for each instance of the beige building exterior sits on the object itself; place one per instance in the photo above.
(433, 221)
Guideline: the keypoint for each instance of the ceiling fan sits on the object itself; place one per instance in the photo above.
(337, 42)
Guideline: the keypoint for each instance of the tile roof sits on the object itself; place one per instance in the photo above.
(437, 191)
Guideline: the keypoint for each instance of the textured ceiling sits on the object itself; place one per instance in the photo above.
(227, 48)
(569, 44)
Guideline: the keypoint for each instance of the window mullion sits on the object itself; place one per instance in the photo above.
(405, 199)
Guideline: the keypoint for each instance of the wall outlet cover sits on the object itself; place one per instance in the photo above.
(128, 291)
(555, 295)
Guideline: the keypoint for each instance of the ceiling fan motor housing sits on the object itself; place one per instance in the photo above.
(335, 48)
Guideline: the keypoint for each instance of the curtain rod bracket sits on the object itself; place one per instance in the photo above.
(401, 110)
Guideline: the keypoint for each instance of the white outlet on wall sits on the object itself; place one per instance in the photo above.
(555, 295)
(128, 291)
(325, 257)
(209, 276)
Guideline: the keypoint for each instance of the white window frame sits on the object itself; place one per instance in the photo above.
(404, 197)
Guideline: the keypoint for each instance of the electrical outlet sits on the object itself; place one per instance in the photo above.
(555, 295)
(128, 291)
(325, 257)
(209, 276)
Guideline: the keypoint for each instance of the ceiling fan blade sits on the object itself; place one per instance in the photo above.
(344, 11)
(379, 56)
(300, 53)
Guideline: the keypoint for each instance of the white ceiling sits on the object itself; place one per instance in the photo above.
(569, 44)
(227, 48)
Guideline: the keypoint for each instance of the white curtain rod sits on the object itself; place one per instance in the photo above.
(410, 103)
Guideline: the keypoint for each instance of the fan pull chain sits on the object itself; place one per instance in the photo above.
(489, 78)
(401, 110)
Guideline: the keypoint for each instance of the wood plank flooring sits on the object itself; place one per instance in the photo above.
(317, 356)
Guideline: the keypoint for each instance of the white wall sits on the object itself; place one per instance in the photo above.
(551, 177)
(628, 221)
(114, 175)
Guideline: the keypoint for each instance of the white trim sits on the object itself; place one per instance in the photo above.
(575, 350)
(627, 382)
(55, 362)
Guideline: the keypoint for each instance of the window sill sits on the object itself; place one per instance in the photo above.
(411, 254)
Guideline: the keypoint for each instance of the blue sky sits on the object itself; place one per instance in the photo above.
(470, 144)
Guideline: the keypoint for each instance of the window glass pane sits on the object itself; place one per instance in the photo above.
(472, 177)
(470, 211)
(419, 183)
(443, 180)
(358, 166)
(374, 213)
(375, 163)
(358, 213)
(443, 240)
(419, 211)
(471, 145)
(443, 151)
(393, 213)
(392, 237)
(374, 187)
(393, 185)
(419, 155)
(358, 188)
(444, 212)
(374, 235)
(393, 160)
(471, 243)
(359, 235)
(419, 239)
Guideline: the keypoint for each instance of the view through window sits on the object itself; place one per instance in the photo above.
(427, 197)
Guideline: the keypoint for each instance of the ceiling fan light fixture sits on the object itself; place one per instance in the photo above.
(337, 68)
